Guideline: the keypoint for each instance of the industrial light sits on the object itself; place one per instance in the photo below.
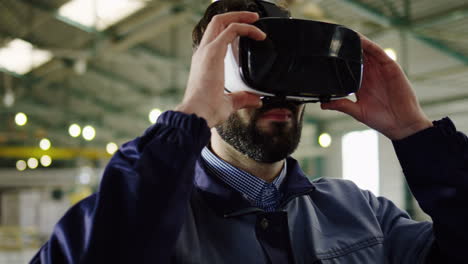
(153, 115)
(89, 133)
(111, 148)
(74, 130)
(21, 119)
(391, 53)
(325, 140)
(9, 99)
(46, 160)
(45, 144)
(80, 66)
(21, 165)
(20, 56)
(99, 13)
(85, 175)
(33, 163)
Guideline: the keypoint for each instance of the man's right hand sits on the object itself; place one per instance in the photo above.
(205, 95)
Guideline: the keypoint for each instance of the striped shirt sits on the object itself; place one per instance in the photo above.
(260, 193)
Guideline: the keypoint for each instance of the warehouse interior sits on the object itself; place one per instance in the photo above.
(78, 78)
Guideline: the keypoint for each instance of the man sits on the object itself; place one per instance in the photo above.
(183, 194)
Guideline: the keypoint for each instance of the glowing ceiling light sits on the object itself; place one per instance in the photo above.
(20, 56)
(391, 53)
(89, 133)
(33, 163)
(45, 144)
(21, 165)
(111, 148)
(99, 13)
(74, 130)
(21, 119)
(46, 160)
(325, 140)
(153, 115)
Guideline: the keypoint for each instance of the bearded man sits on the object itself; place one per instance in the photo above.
(213, 180)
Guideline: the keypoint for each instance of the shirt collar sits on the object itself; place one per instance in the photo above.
(251, 186)
(227, 202)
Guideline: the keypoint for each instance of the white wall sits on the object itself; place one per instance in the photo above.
(392, 181)
(391, 176)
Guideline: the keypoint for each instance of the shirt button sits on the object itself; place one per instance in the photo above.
(264, 223)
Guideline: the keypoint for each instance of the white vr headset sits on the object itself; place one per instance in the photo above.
(301, 60)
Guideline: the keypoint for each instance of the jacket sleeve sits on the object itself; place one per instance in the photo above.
(435, 163)
(137, 214)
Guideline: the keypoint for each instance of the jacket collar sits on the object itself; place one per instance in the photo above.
(227, 202)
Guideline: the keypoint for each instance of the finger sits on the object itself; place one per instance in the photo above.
(345, 106)
(236, 29)
(372, 49)
(244, 99)
(219, 22)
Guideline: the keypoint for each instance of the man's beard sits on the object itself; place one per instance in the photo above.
(264, 146)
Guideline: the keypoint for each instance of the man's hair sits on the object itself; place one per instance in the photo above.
(220, 7)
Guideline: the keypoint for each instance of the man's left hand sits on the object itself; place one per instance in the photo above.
(385, 101)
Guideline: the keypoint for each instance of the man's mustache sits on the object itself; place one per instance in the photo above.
(277, 102)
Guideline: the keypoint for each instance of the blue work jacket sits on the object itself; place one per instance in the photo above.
(158, 204)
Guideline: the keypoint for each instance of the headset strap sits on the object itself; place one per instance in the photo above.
(268, 9)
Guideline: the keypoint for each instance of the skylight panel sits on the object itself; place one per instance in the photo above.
(100, 14)
(21, 57)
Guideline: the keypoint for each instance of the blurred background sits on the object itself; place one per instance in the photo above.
(79, 78)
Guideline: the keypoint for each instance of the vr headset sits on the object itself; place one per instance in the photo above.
(301, 60)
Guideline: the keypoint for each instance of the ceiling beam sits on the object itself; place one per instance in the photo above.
(47, 10)
(43, 83)
(14, 74)
(145, 16)
(148, 32)
(134, 87)
(441, 18)
(372, 13)
(391, 7)
(427, 76)
(444, 100)
(158, 55)
(66, 71)
(109, 44)
(23, 28)
(404, 24)
(442, 47)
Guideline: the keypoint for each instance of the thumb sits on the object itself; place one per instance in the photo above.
(241, 100)
(345, 106)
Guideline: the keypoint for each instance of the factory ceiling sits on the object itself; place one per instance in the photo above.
(110, 67)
